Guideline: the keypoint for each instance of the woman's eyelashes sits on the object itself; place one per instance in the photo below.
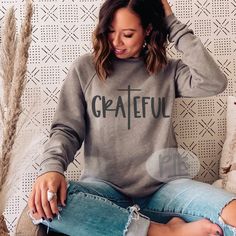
(125, 35)
(128, 35)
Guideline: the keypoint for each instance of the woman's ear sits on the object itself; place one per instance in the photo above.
(148, 29)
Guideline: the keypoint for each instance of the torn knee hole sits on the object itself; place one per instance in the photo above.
(228, 213)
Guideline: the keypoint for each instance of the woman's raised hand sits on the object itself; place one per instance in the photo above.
(167, 8)
(39, 205)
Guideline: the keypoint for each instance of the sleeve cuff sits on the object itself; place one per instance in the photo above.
(169, 20)
(46, 167)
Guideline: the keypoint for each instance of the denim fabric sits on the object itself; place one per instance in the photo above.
(190, 200)
(97, 209)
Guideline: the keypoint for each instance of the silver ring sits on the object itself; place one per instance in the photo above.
(51, 195)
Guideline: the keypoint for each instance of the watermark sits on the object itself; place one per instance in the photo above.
(172, 163)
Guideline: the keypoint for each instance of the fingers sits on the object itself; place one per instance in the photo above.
(46, 205)
(63, 191)
(38, 200)
(31, 204)
(53, 203)
(38, 203)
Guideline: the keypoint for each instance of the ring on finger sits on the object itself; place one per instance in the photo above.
(51, 195)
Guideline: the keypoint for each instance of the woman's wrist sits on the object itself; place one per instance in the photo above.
(167, 8)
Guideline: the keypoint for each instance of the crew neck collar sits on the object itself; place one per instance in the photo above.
(130, 59)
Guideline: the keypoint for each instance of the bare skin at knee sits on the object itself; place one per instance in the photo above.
(229, 214)
(179, 227)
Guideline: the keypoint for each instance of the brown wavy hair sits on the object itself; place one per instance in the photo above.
(151, 12)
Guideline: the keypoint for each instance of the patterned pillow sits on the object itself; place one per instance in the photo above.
(228, 159)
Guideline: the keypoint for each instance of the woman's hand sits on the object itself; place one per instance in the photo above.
(38, 203)
(167, 8)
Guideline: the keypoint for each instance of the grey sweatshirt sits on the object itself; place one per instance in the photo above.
(125, 121)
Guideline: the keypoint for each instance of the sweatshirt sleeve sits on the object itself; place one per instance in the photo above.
(68, 126)
(197, 75)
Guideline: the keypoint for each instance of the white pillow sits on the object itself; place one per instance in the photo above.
(228, 158)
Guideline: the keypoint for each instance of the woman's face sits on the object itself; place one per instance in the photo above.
(126, 34)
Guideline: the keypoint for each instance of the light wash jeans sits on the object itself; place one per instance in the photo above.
(97, 209)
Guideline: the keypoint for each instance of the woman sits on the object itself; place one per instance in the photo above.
(119, 101)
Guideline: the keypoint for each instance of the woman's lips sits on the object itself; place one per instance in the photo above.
(119, 51)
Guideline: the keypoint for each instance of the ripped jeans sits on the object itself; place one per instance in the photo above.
(95, 208)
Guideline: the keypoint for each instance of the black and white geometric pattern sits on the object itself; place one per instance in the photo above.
(62, 31)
